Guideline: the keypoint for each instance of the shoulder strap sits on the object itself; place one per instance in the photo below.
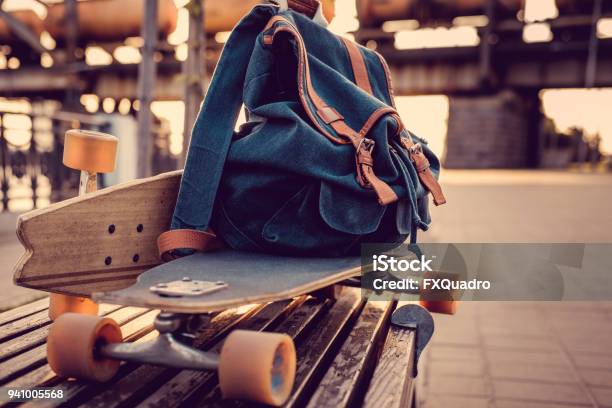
(360, 71)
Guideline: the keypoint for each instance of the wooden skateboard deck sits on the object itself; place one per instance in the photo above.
(243, 278)
(97, 242)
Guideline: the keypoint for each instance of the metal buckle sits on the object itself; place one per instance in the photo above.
(367, 143)
(417, 148)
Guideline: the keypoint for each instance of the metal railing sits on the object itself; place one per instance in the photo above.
(31, 146)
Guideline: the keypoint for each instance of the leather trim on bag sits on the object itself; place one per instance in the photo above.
(385, 66)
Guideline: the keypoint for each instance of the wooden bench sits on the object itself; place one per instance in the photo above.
(348, 355)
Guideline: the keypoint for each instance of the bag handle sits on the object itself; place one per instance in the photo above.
(360, 71)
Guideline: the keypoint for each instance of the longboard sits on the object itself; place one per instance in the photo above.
(100, 241)
(213, 281)
(103, 245)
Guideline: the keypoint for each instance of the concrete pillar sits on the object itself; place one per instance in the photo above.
(497, 131)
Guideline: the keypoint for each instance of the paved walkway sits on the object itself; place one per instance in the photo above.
(10, 251)
(521, 354)
(497, 354)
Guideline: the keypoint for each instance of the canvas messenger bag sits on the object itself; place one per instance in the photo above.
(323, 162)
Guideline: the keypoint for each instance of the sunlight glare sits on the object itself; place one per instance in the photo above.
(537, 32)
(604, 28)
(437, 37)
(97, 56)
(585, 108)
(127, 55)
(540, 10)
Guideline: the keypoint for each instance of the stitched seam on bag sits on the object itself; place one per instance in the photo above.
(281, 208)
(303, 74)
(383, 62)
(248, 84)
(374, 117)
(358, 61)
(231, 223)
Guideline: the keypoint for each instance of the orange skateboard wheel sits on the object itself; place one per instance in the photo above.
(257, 366)
(60, 304)
(71, 346)
(331, 292)
(440, 306)
(91, 151)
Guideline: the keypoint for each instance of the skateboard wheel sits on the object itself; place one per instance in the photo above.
(91, 151)
(440, 306)
(60, 304)
(71, 346)
(257, 366)
(331, 292)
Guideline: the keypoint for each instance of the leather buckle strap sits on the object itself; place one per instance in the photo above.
(170, 241)
(360, 71)
(365, 163)
(421, 164)
(365, 173)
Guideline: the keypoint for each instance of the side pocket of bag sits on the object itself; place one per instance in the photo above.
(298, 228)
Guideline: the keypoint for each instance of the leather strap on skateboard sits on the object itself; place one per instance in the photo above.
(170, 241)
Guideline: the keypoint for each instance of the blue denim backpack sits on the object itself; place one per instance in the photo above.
(323, 162)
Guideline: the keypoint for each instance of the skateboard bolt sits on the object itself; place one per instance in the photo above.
(108, 260)
(111, 228)
(139, 227)
(186, 279)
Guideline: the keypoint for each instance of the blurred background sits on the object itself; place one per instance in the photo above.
(490, 84)
(515, 96)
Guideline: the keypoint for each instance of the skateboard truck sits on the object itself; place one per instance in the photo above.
(187, 287)
(91, 153)
(419, 320)
(166, 350)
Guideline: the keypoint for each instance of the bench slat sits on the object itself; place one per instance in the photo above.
(392, 383)
(316, 351)
(23, 311)
(18, 327)
(354, 363)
